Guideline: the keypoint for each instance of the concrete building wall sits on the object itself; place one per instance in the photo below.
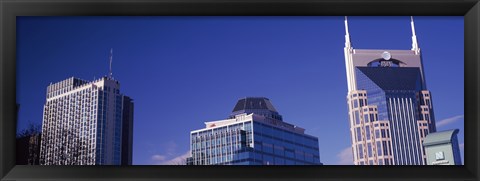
(443, 149)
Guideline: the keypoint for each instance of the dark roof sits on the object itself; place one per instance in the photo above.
(392, 78)
(254, 103)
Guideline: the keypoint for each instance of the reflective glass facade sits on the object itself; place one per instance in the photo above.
(253, 139)
(396, 94)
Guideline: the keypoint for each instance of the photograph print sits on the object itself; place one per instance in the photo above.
(240, 90)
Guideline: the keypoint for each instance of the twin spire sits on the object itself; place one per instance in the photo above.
(347, 35)
(110, 74)
(414, 36)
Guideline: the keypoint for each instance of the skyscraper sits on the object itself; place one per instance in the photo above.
(127, 131)
(86, 123)
(390, 108)
(254, 134)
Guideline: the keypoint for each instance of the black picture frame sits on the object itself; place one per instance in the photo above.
(11, 9)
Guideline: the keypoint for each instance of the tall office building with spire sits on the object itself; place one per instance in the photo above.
(390, 108)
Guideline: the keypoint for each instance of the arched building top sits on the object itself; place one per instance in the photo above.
(441, 137)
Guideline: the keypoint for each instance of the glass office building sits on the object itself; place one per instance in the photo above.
(254, 134)
(390, 108)
(86, 123)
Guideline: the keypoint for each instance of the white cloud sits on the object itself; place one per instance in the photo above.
(345, 157)
(171, 148)
(169, 156)
(179, 160)
(158, 158)
(450, 120)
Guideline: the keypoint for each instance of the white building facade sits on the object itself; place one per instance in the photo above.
(82, 123)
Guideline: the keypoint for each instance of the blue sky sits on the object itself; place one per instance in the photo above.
(184, 71)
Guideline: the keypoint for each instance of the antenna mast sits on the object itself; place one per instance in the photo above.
(347, 35)
(111, 56)
(414, 37)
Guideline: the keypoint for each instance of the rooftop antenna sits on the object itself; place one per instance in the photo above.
(414, 37)
(111, 56)
(347, 35)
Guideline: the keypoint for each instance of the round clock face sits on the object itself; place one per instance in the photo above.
(386, 55)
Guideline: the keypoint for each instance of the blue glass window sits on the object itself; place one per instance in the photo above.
(369, 145)
(357, 118)
(360, 151)
(367, 132)
(359, 134)
(385, 146)
(289, 154)
(379, 148)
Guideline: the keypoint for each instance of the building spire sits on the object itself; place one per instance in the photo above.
(111, 57)
(347, 35)
(414, 37)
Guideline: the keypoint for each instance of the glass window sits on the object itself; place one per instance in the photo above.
(379, 148)
(369, 145)
(268, 148)
(367, 132)
(359, 134)
(357, 118)
(308, 157)
(299, 155)
(258, 138)
(268, 130)
(267, 160)
(289, 162)
(289, 154)
(360, 151)
(278, 150)
(384, 144)
(258, 146)
(279, 161)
